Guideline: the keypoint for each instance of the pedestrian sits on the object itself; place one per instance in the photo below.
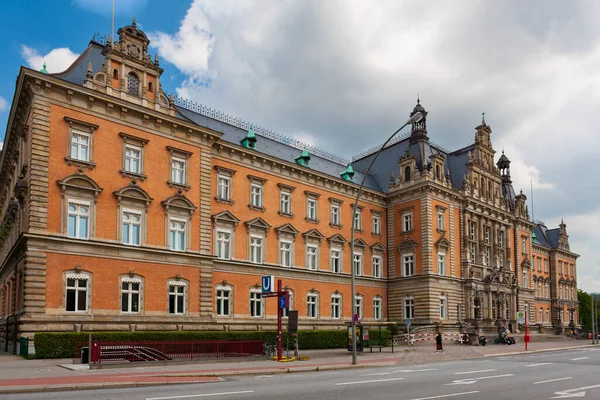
(510, 327)
(438, 342)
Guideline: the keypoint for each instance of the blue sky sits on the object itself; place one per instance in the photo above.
(46, 25)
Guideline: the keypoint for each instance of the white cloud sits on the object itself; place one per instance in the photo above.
(524, 176)
(104, 7)
(57, 60)
(3, 104)
(305, 138)
(1, 145)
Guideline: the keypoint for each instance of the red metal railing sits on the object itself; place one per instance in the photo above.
(170, 350)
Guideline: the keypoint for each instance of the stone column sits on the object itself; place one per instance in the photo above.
(490, 305)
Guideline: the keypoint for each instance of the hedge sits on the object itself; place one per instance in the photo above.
(63, 345)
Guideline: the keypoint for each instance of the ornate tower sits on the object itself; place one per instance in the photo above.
(419, 129)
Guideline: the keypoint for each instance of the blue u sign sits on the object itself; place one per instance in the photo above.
(267, 283)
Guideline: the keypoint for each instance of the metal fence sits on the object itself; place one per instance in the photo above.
(169, 350)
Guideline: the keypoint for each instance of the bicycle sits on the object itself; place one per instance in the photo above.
(269, 350)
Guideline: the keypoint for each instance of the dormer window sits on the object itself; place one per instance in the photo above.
(407, 174)
(133, 84)
(115, 73)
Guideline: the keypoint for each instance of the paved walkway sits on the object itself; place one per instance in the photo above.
(19, 375)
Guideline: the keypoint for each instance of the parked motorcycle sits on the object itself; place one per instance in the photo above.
(482, 340)
(505, 340)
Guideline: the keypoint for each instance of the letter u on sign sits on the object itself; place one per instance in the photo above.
(267, 283)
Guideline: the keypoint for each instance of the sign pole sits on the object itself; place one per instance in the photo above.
(279, 312)
(526, 329)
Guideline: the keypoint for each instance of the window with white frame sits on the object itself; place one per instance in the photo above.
(409, 307)
(335, 214)
(545, 265)
(336, 306)
(78, 219)
(377, 308)
(290, 307)
(256, 195)
(358, 219)
(177, 231)
(546, 291)
(223, 301)
(525, 278)
(560, 291)
(539, 264)
(441, 262)
(178, 167)
(560, 267)
(223, 245)
(472, 241)
(357, 264)
(407, 224)
(524, 245)
(77, 292)
(177, 297)
(133, 159)
(255, 303)
(80, 146)
(487, 242)
(224, 187)
(408, 264)
(285, 202)
(540, 293)
(132, 227)
(285, 253)
(312, 305)
(376, 224)
(311, 208)
(311, 257)
(376, 261)
(443, 308)
(336, 260)
(130, 295)
(440, 220)
(358, 306)
(256, 249)
(547, 315)
(572, 293)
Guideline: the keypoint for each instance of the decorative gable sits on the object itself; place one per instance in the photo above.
(287, 229)
(443, 243)
(225, 217)
(337, 239)
(360, 243)
(313, 234)
(407, 244)
(378, 247)
(258, 223)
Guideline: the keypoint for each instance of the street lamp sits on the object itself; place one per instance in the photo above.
(416, 117)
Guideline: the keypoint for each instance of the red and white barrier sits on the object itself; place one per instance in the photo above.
(420, 337)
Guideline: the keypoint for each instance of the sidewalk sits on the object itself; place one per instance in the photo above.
(18, 375)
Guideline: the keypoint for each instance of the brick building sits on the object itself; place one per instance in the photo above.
(122, 208)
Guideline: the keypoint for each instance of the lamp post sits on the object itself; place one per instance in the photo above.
(414, 118)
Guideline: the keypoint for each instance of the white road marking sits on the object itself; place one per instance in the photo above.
(578, 392)
(474, 372)
(405, 371)
(553, 380)
(469, 381)
(447, 395)
(189, 396)
(373, 381)
(539, 364)
(580, 358)
(378, 373)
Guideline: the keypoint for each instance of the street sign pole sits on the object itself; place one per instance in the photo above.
(526, 330)
(279, 312)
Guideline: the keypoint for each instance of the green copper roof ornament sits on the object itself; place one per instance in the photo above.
(348, 174)
(303, 159)
(533, 237)
(44, 70)
(249, 141)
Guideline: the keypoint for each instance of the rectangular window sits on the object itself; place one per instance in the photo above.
(547, 315)
(285, 253)
(377, 267)
(358, 220)
(255, 304)
(409, 308)
(472, 251)
(336, 303)
(133, 159)
(376, 225)
(176, 299)
(546, 291)
(256, 198)
(178, 166)
(223, 245)
(545, 265)
(335, 214)
(130, 297)
(407, 222)
(80, 146)
(560, 267)
(132, 227)
(472, 230)
(443, 308)
(408, 262)
(177, 234)
(336, 265)
(358, 307)
(311, 306)
(311, 257)
(285, 203)
(487, 255)
(524, 245)
(486, 233)
(77, 294)
(539, 264)
(311, 208)
(78, 220)
(223, 190)
(440, 220)
(525, 278)
(256, 244)
(500, 239)
(377, 308)
(357, 263)
(223, 302)
(442, 264)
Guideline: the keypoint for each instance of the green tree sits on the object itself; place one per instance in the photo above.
(585, 307)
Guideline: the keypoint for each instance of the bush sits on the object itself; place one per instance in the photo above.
(64, 345)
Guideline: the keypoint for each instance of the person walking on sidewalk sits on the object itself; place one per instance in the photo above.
(438, 342)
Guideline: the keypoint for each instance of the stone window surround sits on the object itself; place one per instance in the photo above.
(310, 242)
(404, 212)
(256, 289)
(258, 182)
(378, 255)
(360, 297)
(403, 264)
(338, 295)
(131, 203)
(313, 196)
(333, 202)
(283, 188)
(179, 208)
(85, 128)
(178, 281)
(379, 301)
(229, 288)
(131, 277)
(136, 142)
(441, 210)
(258, 232)
(225, 222)
(227, 173)
(72, 191)
(445, 299)
(183, 155)
(376, 214)
(359, 212)
(77, 273)
(317, 296)
(404, 304)
(287, 233)
(359, 251)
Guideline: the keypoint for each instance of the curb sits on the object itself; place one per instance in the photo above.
(539, 351)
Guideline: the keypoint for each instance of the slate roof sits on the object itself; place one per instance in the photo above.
(546, 237)
(77, 71)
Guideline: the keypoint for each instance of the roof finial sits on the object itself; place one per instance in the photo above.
(418, 99)
(44, 70)
(133, 23)
(483, 118)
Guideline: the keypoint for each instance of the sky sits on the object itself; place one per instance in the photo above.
(344, 74)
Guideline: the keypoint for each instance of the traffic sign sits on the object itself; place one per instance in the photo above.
(407, 322)
(521, 317)
(283, 301)
(268, 283)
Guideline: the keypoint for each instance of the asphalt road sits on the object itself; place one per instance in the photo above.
(561, 374)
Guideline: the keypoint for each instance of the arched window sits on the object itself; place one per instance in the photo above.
(150, 87)
(133, 84)
(437, 172)
(115, 73)
(407, 174)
